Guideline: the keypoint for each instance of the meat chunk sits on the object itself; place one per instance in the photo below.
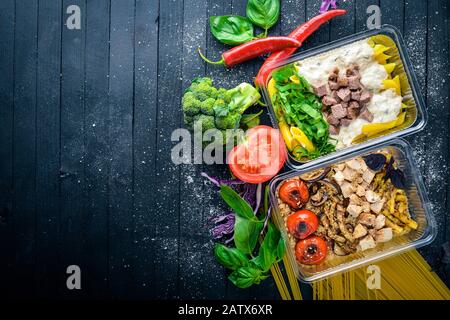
(354, 164)
(335, 96)
(366, 114)
(360, 231)
(366, 206)
(372, 197)
(365, 96)
(347, 189)
(353, 83)
(383, 235)
(368, 176)
(380, 221)
(344, 94)
(329, 101)
(367, 243)
(346, 122)
(354, 210)
(343, 81)
(334, 130)
(339, 177)
(331, 119)
(333, 85)
(367, 219)
(356, 95)
(354, 199)
(353, 71)
(377, 206)
(321, 90)
(360, 191)
(353, 112)
(349, 174)
(338, 111)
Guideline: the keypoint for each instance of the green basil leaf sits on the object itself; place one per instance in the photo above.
(239, 205)
(232, 30)
(269, 248)
(230, 258)
(245, 277)
(263, 13)
(246, 233)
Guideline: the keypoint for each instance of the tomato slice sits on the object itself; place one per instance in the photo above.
(260, 157)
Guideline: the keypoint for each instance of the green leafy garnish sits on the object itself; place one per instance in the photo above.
(232, 30)
(247, 268)
(300, 107)
(263, 13)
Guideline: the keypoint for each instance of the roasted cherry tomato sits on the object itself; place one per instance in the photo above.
(302, 224)
(294, 193)
(259, 157)
(312, 250)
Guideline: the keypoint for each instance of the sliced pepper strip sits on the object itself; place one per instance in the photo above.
(371, 129)
(287, 136)
(302, 138)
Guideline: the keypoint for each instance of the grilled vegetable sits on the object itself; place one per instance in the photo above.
(302, 224)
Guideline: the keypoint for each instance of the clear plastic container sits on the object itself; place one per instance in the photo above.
(416, 116)
(419, 208)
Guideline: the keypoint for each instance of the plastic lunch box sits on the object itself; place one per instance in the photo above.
(416, 116)
(419, 208)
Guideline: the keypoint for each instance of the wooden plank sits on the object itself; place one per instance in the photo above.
(24, 140)
(393, 13)
(98, 155)
(6, 141)
(121, 90)
(194, 252)
(437, 130)
(144, 132)
(72, 173)
(344, 25)
(447, 233)
(322, 35)
(167, 209)
(48, 148)
(293, 13)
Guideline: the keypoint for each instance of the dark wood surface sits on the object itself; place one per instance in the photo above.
(86, 118)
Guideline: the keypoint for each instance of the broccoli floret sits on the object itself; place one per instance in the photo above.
(188, 121)
(207, 106)
(206, 122)
(230, 121)
(191, 105)
(202, 88)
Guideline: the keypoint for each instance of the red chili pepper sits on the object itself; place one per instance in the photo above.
(301, 34)
(253, 49)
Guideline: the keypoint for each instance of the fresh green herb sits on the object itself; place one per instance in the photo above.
(300, 107)
(263, 13)
(247, 276)
(232, 30)
(248, 269)
(230, 258)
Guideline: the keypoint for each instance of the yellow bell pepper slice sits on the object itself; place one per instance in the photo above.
(287, 136)
(382, 58)
(302, 138)
(379, 49)
(271, 88)
(371, 43)
(389, 67)
(393, 84)
(372, 129)
(295, 79)
(369, 130)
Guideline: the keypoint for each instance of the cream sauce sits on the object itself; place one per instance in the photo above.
(385, 105)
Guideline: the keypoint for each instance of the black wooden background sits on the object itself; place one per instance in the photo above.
(86, 118)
